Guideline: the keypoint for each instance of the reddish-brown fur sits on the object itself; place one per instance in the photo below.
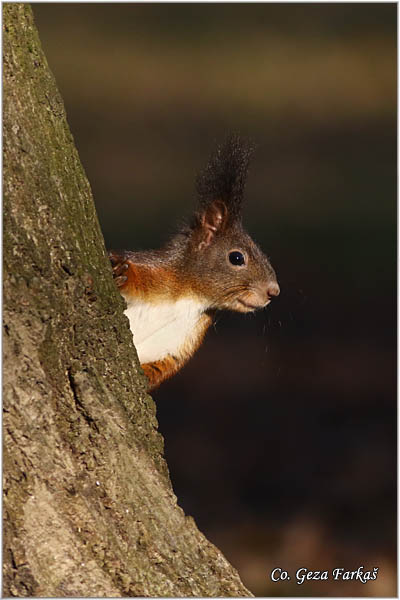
(155, 283)
(197, 269)
(160, 370)
(149, 282)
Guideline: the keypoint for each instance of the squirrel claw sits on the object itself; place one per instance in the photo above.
(120, 280)
(119, 269)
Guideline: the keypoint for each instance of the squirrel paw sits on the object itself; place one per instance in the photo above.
(118, 273)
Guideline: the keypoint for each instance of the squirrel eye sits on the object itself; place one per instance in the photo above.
(236, 258)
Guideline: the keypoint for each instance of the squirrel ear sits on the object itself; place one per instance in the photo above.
(212, 220)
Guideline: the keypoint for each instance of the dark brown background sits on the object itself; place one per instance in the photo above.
(280, 434)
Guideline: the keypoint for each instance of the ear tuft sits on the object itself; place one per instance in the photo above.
(225, 175)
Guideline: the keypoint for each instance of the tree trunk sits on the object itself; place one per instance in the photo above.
(88, 505)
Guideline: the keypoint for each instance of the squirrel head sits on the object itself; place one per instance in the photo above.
(222, 262)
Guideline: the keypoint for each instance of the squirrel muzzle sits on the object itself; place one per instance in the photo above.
(258, 296)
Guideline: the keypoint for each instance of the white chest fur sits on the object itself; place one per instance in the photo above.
(163, 328)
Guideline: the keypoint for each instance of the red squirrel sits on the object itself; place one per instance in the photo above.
(173, 293)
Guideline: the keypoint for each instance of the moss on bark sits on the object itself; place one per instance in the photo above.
(88, 505)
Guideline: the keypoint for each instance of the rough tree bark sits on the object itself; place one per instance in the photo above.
(88, 505)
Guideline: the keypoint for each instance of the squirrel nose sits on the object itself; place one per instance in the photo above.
(273, 289)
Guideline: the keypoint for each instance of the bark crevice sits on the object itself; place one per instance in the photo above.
(88, 505)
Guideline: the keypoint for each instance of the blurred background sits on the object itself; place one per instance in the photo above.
(280, 434)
